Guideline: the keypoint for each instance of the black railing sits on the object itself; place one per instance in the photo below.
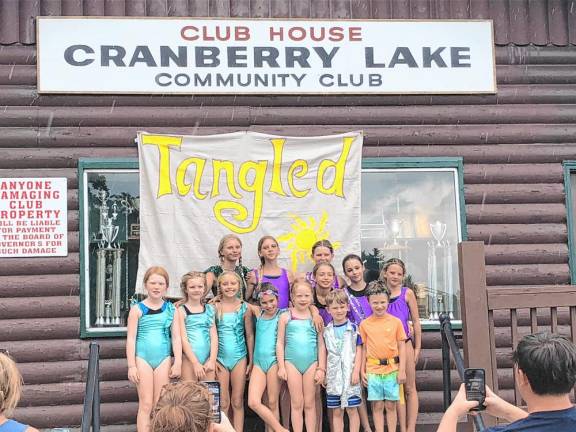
(449, 345)
(91, 411)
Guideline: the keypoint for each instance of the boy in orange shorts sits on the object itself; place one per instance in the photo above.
(383, 357)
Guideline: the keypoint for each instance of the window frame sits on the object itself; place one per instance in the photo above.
(456, 163)
(88, 165)
(569, 168)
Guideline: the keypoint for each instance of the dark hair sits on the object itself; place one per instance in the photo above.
(348, 258)
(377, 287)
(548, 361)
(322, 243)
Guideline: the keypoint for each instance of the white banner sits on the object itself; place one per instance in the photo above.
(196, 189)
(33, 217)
(193, 55)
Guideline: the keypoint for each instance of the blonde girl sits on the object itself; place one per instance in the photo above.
(230, 256)
(298, 349)
(197, 330)
(235, 345)
(270, 271)
(264, 375)
(403, 305)
(10, 392)
(153, 334)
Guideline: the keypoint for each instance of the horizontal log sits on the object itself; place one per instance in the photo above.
(30, 351)
(73, 393)
(42, 265)
(14, 75)
(513, 213)
(513, 173)
(514, 193)
(60, 157)
(502, 317)
(523, 274)
(43, 328)
(373, 135)
(71, 415)
(432, 380)
(39, 285)
(18, 54)
(518, 233)
(39, 307)
(71, 371)
(531, 297)
(536, 74)
(555, 253)
(241, 116)
(70, 174)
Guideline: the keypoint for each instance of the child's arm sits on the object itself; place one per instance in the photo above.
(249, 328)
(317, 319)
(176, 368)
(414, 314)
(355, 379)
(187, 349)
(320, 373)
(280, 346)
(363, 366)
(210, 278)
(132, 329)
(402, 366)
(251, 283)
(210, 365)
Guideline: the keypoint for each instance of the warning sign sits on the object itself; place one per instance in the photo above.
(33, 217)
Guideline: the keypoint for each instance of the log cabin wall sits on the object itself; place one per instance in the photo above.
(513, 145)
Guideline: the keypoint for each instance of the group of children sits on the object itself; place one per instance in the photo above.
(320, 333)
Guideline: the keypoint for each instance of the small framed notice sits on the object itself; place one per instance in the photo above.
(33, 217)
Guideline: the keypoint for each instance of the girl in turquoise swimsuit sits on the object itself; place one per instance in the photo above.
(235, 345)
(265, 371)
(297, 351)
(198, 330)
(152, 334)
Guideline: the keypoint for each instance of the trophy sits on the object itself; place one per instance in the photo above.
(440, 272)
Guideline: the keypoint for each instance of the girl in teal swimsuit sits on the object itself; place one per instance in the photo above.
(297, 351)
(235, 345)
(198, 330)
(152, 334)
(265, 371)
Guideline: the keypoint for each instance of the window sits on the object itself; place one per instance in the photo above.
(413, 209)
(109, 242)
(570, 190)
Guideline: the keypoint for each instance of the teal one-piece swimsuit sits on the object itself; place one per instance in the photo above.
(153, 337)
(265, 345)
(231, 337)
(198, 327)
(301, 343)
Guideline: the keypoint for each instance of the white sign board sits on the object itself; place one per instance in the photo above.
(33, 217)
(196, 189)
(216, 56)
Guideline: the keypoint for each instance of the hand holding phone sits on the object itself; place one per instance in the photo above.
(214, 389)
(475, 386)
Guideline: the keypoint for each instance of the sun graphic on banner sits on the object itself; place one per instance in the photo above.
(303, 235)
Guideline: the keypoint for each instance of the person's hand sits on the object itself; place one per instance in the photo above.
(355, 378)
(318, 322)
(319, 376)
(460, 405)
(498, 407)
(224, 425)
(133, 374)
(364, 378)
(199, 371)
(175, 370)
(416, 355)
(179, 303)
(209, 366)
(282, 374)
(401, 377)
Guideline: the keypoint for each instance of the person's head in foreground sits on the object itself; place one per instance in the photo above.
(10, 392)
(185, 407)
(545, 372)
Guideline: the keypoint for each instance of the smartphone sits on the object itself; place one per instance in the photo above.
(475, 385)
(214, 389)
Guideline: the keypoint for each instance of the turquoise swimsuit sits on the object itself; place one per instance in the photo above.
(198, 325)
(153, 337)
(265, 346)
(301, 343)
(231, 337)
